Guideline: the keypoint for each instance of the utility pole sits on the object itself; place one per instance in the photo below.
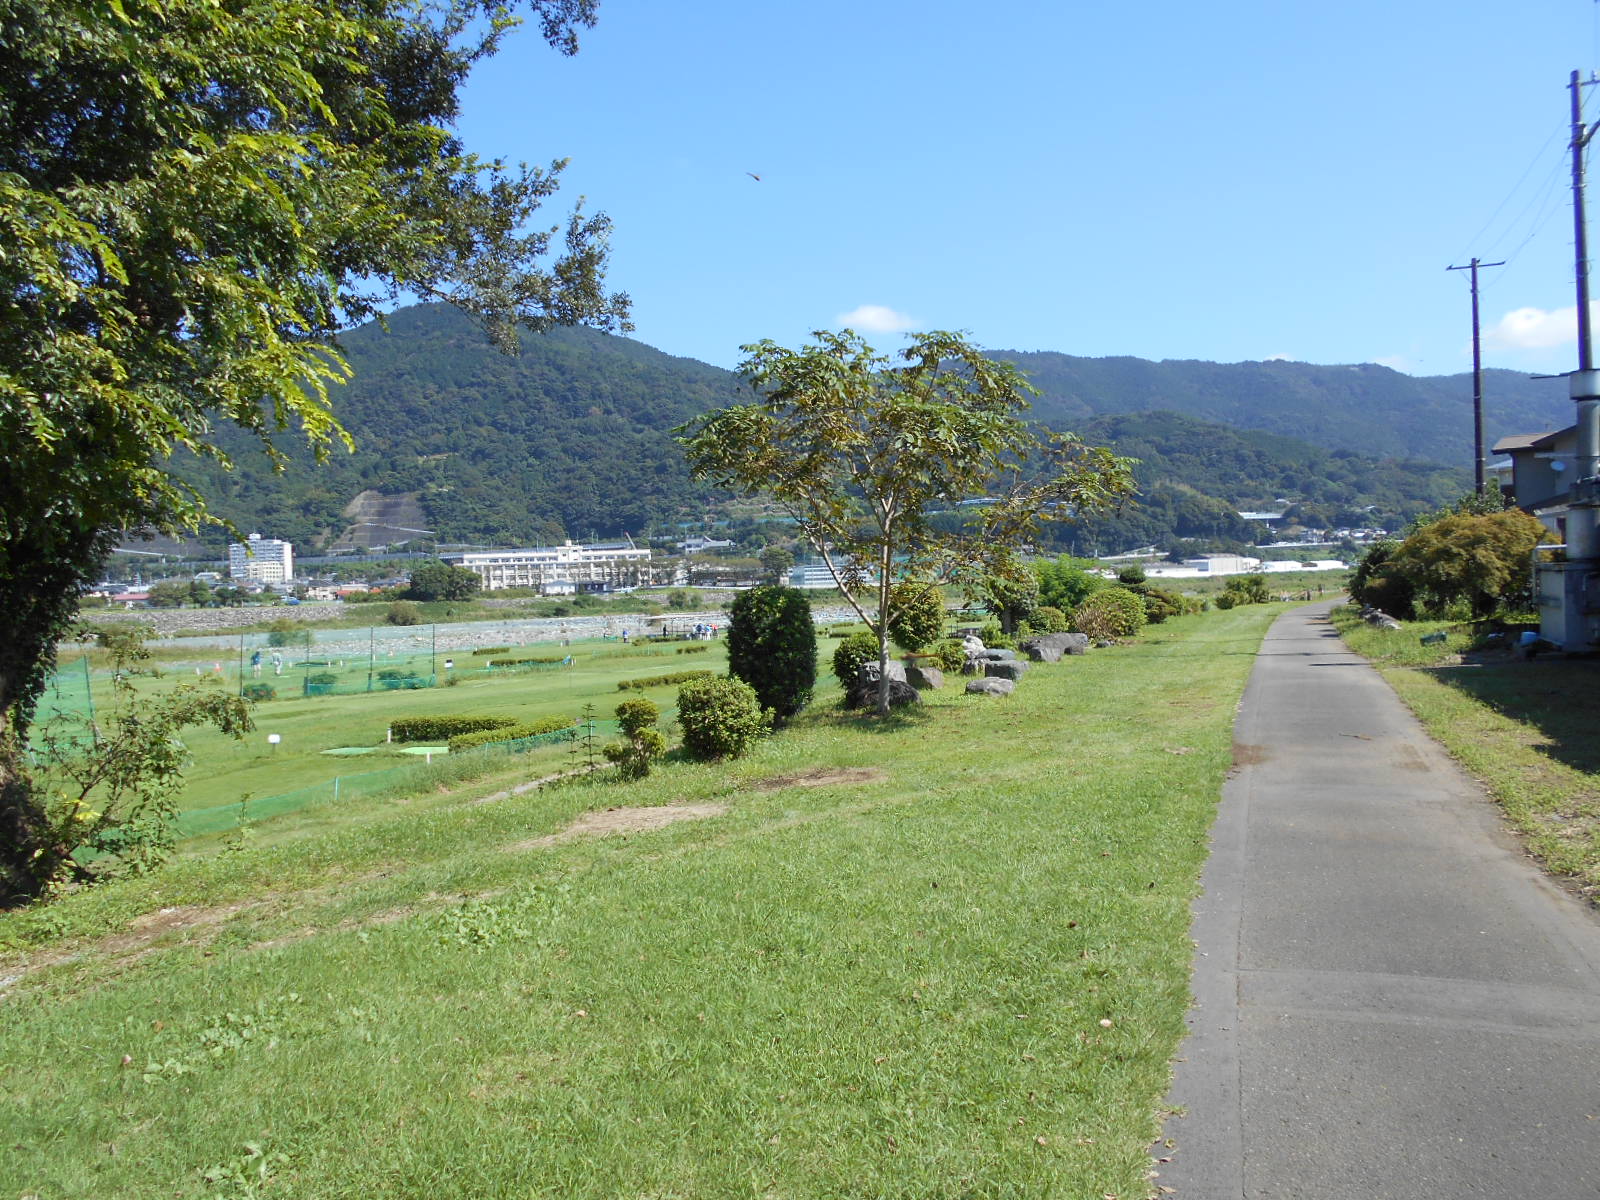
(1477, 377)
(1580, 227)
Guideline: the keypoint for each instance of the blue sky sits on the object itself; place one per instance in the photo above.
(1229, 182)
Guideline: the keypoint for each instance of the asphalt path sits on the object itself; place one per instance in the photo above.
(1390, 1000)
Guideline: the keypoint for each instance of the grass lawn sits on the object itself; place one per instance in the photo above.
(1530, 731)
(944, 955)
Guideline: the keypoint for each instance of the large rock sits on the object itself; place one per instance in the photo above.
(997, 654)
(1049, 647)
(991, 686)
(925, 678)
(1012, 669)
(864, 694)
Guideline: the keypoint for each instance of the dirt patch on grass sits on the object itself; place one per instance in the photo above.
(822, 777)
(622, 821)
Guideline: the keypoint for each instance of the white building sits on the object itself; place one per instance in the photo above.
(602, 566)
(265, 560)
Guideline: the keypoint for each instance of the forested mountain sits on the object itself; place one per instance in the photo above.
(1366, 408)
(572, 439)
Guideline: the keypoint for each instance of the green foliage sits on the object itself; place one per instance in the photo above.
(777, 561)
(1374, 582)
(1110, 614)
(772, 646)
(1011, 593)
(104, 790)
(866, 455)
(950, 655)
(1131, 576)
(641, 743)
(1065, 582)
(513, 732)
(489, 651)
(639, 685)
(257, 691)
(850, 655)
(1049, 619)
(437, 580)
(1479, 561)
(194, 200)
(403, 612)
(1161, 603)
(996, 638)
(433, 729)
(1243, 589)
(720, 718)
(526, 660)
(285, 632)
(916, 615)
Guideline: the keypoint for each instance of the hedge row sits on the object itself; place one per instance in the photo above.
(525, 660)
(484, 651)
(693, 649)
(428, 729)
(508, 733)
(639, 685)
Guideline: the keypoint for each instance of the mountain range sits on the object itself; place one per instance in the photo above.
(572, 438)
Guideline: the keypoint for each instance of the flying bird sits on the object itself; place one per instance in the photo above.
(754, 176)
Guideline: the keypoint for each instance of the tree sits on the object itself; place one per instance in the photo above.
(1065, 582)
(777, 561)
(642, 743)
(437, 580)
(195, 197)
(864, 455)
(1480, 561)
(918, 616)
(772, 646)
(1011, 595)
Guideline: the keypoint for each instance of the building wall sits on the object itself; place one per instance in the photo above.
(265, 560)
(610, 565)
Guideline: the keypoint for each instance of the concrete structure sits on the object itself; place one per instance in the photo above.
(600, 566)
(1222, 564)
(699, 544)
(265, 560)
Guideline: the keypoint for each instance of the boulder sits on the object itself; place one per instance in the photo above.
(1049, 647)
(998, 654)
(865, 692)
(925, 678)
(1012, 669)
(991, 686)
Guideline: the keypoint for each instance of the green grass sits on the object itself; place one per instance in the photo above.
(890, 984)
(1529, 730)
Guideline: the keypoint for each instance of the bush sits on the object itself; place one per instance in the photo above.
(507, 733)
(322, 679)
(721, 718)
(1159, 604)
(951, 655)
(485, 651)
(1243, 589)
(1066, 583)
(1049, 619)
(430, 729)
(916, 615)
(527, 659)
(994, 637)
(639, 685)
(642, 743)
(772, 646)
(693, 649)
(259, 691)
(403, 612)
(1109, 614)
(851, 655)
(285, 632)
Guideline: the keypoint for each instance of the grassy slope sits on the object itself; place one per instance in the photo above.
(891, 987)
(1529, 730)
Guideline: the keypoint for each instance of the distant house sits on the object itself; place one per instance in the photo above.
(697, 544)
(1541, 472)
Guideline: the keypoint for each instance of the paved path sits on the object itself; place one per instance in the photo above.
(1391, 1001)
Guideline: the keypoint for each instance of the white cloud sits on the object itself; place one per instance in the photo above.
(1278, 358)
(875, 318)
(1535, 328)
(1395, 362)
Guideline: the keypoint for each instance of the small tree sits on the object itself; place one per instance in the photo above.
(403, 612)
(772, 646)
(868, 457)
(777, 561)
(1011, 594)
(438, 580)
(642, 742)
(918, 619)
(1066, 582)
(1479, 561)
(721, 718)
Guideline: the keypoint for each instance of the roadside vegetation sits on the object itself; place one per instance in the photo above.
(930, 954)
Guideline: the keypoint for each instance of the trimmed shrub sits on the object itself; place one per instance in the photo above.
(432, 729)
(642, 743)
(693, 649)
(916, 615)
(851, 655)
(485, 651)
(259, 691)
(992, 636)
(1109, 614)
(639, 685)
(720, 717)
(403, 612)
(507, 733)
(772, 646)
(1159, 604)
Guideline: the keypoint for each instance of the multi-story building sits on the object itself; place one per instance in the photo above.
(266, 560)
(600, 566)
